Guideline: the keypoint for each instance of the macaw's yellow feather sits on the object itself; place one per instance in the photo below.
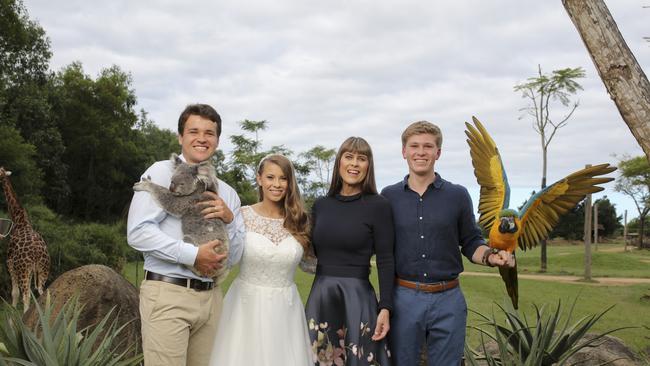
(542, 214)
(488, 170)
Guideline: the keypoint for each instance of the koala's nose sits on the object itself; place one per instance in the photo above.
(172, 187)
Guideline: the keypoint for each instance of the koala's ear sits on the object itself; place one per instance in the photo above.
(176, 159)
(205, 168)
(207, 175)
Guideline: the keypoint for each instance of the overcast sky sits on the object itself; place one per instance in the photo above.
(320, 71)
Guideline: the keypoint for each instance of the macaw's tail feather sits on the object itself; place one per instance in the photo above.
(509, 276)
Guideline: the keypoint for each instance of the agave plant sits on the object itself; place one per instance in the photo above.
(549, 341)
(56, 341)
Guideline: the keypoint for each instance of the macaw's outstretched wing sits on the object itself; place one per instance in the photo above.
(543, 210)
(488, 168)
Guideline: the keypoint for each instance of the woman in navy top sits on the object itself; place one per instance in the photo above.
(352, 223)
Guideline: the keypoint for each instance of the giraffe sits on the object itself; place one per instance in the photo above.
(27, 253)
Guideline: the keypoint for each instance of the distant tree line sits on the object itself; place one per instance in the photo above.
(571, 226)
(634, 182)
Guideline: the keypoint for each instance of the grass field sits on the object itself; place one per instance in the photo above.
(632, 303)
(568, 259)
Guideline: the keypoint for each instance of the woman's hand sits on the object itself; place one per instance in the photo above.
(215, 208)
(383, 325)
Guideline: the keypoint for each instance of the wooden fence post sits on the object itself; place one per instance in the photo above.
(596, 225)
(587, 231)
(625, 230)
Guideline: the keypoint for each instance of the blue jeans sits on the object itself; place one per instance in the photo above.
(438, 319)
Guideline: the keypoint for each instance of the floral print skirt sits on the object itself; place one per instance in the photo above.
(342, 314)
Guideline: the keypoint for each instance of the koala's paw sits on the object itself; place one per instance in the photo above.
(143, 185)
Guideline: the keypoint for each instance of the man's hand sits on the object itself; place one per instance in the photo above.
(383, 325)
(215, 208)
(207, 260)
(502, 259)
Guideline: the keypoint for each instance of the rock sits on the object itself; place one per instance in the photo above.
(100, 289)
(608, 350)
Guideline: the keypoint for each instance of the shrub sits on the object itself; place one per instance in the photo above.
(56, 341)
(549, 341)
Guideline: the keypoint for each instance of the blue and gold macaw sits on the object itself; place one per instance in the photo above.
(509, 228)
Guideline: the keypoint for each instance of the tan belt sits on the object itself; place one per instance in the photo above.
(428, 287)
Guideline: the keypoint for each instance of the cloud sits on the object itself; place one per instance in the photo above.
(322, 71)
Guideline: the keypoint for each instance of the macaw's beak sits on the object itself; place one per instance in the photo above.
(507, 225)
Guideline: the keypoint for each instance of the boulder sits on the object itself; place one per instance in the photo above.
(100, 289)
(608, 350)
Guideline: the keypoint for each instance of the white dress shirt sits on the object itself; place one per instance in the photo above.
(158, 235)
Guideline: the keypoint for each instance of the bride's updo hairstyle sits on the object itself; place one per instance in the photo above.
(296, 220)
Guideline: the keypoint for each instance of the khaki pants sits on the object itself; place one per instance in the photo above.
(178, 324)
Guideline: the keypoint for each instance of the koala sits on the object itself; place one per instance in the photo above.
(187, 186)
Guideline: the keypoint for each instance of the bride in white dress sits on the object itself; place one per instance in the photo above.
(263, 319)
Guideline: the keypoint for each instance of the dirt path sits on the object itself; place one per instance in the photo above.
(600, 281)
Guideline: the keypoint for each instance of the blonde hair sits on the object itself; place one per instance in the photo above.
(359, 146)
(421, 127)
(296, 220)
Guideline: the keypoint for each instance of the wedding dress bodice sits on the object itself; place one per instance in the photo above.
(271, 254)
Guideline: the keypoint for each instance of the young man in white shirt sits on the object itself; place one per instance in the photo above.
(180, 310)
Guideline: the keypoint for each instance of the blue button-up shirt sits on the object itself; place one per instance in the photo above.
(432, 230)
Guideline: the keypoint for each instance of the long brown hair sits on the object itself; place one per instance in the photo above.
(359, 146)
(296, 220)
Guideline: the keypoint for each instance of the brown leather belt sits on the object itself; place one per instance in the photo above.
(185, 282)
(428, 287)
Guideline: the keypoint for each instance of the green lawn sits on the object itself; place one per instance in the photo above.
(568, 259)
(632, 303)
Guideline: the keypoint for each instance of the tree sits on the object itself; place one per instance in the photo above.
(25, 48)
(155, 143)
(571, 225)
(246, 154)
(25, 93)
(607, 218)
(633, 225)
(254, 127)
(320, 159)
(96, 119)
(617, 67)
(16, 155)
(542, 90)
(634, 182)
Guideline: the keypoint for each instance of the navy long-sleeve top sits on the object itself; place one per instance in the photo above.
(347, 231)
(432, 230)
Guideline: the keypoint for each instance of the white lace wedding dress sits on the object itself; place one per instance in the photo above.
(263, 319)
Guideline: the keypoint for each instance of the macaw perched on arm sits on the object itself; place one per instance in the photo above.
(509, 228)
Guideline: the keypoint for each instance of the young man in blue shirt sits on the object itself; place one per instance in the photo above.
(434, 225)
